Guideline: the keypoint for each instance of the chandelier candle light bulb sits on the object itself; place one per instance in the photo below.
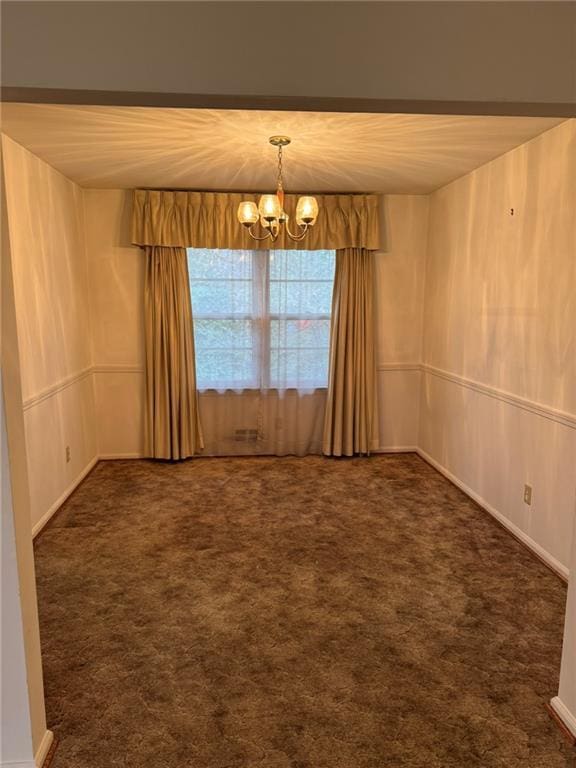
(269, 207)
(248, 213)
(307, 210)
(270, 210)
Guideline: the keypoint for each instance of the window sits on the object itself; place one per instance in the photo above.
(261, 318)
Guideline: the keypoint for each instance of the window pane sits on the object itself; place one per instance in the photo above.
(300, 334)
(303, 368)
(301, 282)
(300, 298)
(219, 264)
(223, 298)
(221, 281)
(302, 265)
(225, 369)
(223, 334)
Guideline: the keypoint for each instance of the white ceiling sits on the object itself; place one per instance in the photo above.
(124, 147)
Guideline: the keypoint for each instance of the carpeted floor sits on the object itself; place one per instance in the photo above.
(294, 613)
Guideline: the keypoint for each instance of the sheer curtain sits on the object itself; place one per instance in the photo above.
(262, 333)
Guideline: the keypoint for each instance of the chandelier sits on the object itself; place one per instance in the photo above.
(270, 209)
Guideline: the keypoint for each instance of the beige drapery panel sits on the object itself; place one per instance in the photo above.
(172, 423)
(208, 220)
(351, 423)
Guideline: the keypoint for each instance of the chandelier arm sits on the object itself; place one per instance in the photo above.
(256, 237)
(300, 236)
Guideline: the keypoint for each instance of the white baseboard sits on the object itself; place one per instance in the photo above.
(18, 764)
(111, 456)
(62, 498)
(539, 551)
(43, 749)
(564, 714)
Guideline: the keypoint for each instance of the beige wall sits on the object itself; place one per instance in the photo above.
(116, 274)
(498, 405)
(116, 288)
(47, 239)
(400, 269)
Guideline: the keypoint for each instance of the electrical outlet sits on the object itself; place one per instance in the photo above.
(527, 494)
(67, 454)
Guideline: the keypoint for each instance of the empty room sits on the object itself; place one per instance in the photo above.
(288, 397)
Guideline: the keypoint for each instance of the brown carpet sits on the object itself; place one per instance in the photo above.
(294, 613)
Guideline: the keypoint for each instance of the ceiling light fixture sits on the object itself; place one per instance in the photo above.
(270, 209)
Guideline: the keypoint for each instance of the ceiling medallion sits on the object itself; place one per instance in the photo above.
(270, 209)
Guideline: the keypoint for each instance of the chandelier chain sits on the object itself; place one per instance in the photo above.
(280, 185)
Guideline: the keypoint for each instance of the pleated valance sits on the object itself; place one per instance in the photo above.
(208, 220)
